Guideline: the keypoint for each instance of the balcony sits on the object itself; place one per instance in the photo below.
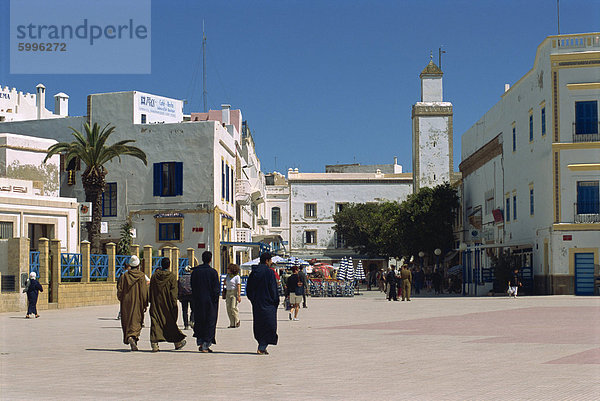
(243, 192)
(586, 213)
(586, 132)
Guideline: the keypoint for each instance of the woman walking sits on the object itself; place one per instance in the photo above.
(32, 290)
(295, 288)
(233, 296)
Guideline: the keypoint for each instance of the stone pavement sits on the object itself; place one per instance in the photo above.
(362, 348)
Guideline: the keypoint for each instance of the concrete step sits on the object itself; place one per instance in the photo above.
(52, 305)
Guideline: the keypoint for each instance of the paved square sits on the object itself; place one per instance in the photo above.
(362, 348)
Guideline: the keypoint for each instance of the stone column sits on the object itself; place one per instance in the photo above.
(175, 261)
(18, 259)
(85, 261)
(55, 269)
(44, 247)
(135, 250)
(190, 256)
(111, 251)
(148, 260)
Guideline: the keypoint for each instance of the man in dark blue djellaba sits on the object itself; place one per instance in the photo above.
(261, 290)
(205, 301)
(32, 290)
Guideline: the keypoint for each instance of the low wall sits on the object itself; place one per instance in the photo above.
(71, 295)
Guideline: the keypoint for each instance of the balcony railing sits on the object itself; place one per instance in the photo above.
(586, 212)
(586, 132)
(577, 41)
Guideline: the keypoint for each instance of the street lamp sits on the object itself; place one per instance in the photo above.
(437, 252)
(421, 254)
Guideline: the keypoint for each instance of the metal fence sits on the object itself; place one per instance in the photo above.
(70, 266)
(183, 262)
(156, 260)
(120, 261)
(34, 262)
(98, 267)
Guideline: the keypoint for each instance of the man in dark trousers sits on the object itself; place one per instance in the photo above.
(32, 290)
(390, 278)
(163, 308)
(304, 279)
(205, 301)
(262, 292)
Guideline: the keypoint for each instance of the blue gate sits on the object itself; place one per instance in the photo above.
(34, 263)
(98, 267)
(584, 274)
(120, 261)
(183, 262)
(70, 264)
(156, 260)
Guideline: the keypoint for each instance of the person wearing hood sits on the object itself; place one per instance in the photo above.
(132, 292)
(163, 308)
(205, 295)
(32, 289)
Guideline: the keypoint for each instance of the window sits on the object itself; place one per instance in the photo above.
(231, 186)
(586, 117)
(223, 179)
(109, 200)
(169, 232)
(543, 121)
(275, 217)
(310, 237)
(514, 138)
(588, 197)
(508, 209)
(514, 207)
(340, 206)
(531, 202)
(143, 119)
(489, 201)
(310, 210)
(168, 179)
(530, 127)
(340, 242)
(6, 229)
(227, 182)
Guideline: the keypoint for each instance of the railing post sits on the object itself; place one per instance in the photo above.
(135, 250)
(148, 260)
(85, 261)
(175, 261)
(44, 247)
(190, 255)
(111, 251)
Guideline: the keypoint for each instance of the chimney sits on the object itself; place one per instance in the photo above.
(506, 87)
(40, 100)
(225, 114)
(61, 104)
(395, 160)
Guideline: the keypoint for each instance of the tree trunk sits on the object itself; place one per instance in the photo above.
(93, 186)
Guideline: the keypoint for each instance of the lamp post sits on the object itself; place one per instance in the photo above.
(437, 252)
(462, 248)
(421, 254)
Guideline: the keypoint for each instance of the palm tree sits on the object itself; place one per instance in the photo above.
(93, 151)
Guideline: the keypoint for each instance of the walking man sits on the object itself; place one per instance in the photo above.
(132, 291)
(205, 301)
(33, 288)
(304, 279)
(163, 308)
(184, 293)
(514, 284)
(406, 277)
(262, 292)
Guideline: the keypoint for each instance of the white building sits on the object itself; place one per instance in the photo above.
(278, 208)
(185, 197)
(16, 106)
(29, 203)
(316, 197)
(531, 168)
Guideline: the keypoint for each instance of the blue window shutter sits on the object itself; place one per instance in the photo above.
(222, 179)
(227, 182)
(178, 178)
(157, 179)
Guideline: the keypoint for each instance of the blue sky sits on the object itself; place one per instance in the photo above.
(325, 82)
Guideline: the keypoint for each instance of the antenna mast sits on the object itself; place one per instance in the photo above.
(558, 15)
(204, 67)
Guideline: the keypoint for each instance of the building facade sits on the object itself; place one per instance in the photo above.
(531, 169)
(186, 196)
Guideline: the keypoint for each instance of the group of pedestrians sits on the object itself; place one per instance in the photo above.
(199, 287)
(397, 283)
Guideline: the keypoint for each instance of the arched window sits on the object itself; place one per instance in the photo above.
(275, 217)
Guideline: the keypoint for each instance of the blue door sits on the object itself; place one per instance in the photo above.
(584, 274)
